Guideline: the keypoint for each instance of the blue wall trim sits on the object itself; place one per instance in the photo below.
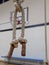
(27, 59)
(30, 26)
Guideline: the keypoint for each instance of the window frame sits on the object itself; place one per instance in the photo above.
(3, 1)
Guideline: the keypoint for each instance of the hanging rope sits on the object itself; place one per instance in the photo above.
(23, 23)
(14, 43)
(21, 39)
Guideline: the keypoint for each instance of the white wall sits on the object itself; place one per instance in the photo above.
(34, 36)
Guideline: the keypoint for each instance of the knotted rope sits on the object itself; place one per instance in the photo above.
(14, 43)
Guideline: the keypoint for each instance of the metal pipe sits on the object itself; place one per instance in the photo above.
(46, 55)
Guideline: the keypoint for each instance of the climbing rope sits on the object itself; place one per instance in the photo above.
(14, 43)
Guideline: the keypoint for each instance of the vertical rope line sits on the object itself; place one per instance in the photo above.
(46, 57)
(14, 25)
(23, 23)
